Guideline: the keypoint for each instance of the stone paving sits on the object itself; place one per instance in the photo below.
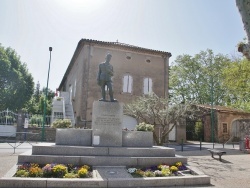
(232, 172)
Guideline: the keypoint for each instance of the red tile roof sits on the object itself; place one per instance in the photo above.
(116, 45)
(125, 46)
(222, 108)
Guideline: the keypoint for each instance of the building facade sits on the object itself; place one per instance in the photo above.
(137, 71)
(226, 128)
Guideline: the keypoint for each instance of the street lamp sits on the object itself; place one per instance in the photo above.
(212, 105)
(212, 111)
(46, 95)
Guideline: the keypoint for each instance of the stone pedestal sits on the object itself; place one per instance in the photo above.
(137, 139)
(107, 123)
(74, 137)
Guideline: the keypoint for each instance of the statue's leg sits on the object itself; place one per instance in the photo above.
(103, 91)
(109, 85)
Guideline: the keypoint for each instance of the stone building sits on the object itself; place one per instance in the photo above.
(226, 123)
(137, 71)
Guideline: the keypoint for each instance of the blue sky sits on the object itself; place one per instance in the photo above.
(177, 26)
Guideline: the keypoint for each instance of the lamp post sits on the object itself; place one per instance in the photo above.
(212, 111)
(212, 105)
(46, 95)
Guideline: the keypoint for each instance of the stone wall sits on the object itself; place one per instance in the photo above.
(220, 119)
(83, 74)
(50, 134)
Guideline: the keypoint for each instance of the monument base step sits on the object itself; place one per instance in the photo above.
(99, 160)
(52, 149)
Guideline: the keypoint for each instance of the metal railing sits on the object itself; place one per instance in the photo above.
(8, 117)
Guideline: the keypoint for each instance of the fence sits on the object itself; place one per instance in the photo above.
(199, 145)
(26, 127)
(7, 117)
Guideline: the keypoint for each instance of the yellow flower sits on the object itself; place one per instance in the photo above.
(173, 168)
(82, 173)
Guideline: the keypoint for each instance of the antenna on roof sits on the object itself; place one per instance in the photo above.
(117, 40)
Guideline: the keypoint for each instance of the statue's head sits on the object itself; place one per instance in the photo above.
(108, 57)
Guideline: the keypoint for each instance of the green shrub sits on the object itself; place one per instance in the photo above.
(36, 120)
(22, 173)
(144, 127)
(62, 123)
(70, 175)
(199, 130)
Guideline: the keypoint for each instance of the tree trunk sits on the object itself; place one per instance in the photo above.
(244, 9)
(156, 139)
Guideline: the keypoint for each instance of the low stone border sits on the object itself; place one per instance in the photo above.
(197, 179)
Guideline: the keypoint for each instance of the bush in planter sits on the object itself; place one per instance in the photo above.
(59, 171)
(144, 127)
(36, 120)
(62, 123)
(22, 173)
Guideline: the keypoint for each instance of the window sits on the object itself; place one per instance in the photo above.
(147, 86)
(224, 128)
(58, 115)
(127, 84)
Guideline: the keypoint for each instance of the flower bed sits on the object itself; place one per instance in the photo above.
(162, 170)
(53, 171)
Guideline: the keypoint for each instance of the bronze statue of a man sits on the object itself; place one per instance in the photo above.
(104, 78)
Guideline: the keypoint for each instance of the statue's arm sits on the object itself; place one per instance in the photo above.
(111, 71)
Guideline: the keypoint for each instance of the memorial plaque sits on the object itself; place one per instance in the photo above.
(107, 123)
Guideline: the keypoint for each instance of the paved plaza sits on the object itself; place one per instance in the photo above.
(232, 172)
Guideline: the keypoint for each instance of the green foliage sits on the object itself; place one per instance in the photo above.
(62, 123)
(199, 130)
(53, 171)
(144, 127)
(70, 175)
(22, 173)
(36, 104)
(161, 170)
(16, 83)
(36, 120)
(191, 78)
(237, 82)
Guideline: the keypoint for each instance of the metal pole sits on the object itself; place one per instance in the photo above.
(212, 106)
(46, 95)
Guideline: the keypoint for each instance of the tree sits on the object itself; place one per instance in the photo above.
(36, 103)
(16, 83)
(193, 78)
(159, 112)
(237, 82)
(37, 93)
(244, 10)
